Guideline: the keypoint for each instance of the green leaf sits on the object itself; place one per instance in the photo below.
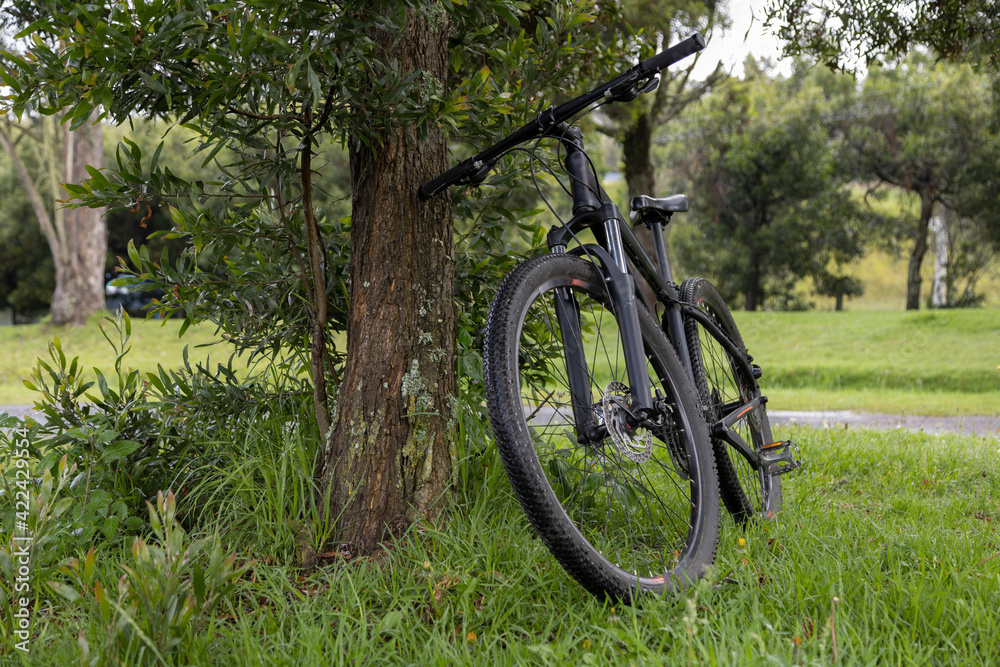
(233, 43)
(61, 506)
(125, 281)
(314, 85)
(102, 601)
(507, 16)
(80, 114)
(198, 582)
(65, 591)
(10, 81)
(88, 565)
(133, 254)
(31, 29)
(119, 449)
(292, 75)
(219, 145)
(156, 158)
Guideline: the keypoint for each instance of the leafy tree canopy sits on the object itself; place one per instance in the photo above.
(839, 33)
(924, 127)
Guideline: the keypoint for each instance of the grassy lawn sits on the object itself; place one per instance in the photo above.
(887, 552)
(933, 363)
(153, 342)
(930, 363)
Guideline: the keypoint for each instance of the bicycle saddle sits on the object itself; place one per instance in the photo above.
(671, 204)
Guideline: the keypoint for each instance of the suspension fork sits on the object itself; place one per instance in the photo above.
(577, 373)
(620, 287)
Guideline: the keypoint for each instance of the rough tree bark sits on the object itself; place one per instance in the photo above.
(390, 457)
(77, 237)
(938, 226)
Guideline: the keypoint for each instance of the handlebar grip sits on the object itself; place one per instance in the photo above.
(439, 183)
(678, 51)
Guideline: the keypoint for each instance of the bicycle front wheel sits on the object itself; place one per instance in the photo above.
(623, 510)
(724, 386)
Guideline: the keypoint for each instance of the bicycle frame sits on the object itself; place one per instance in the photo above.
(618, 250)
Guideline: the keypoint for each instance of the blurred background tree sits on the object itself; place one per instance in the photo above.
(771, 206)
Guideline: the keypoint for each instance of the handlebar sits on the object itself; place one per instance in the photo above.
(624, 87)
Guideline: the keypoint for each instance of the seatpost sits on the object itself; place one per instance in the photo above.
(656, 229)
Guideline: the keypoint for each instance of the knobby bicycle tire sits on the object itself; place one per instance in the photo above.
(618, 523)
(723, 385)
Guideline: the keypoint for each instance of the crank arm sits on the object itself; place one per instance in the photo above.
(776, 458)
(722, 430)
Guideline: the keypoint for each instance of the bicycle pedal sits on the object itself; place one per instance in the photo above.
(778, 458)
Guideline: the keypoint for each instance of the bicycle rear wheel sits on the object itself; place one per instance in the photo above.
(724, 386)
(624, 512)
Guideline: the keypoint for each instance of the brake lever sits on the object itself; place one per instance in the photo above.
(478, 176)
(652, 83)
(635, 90)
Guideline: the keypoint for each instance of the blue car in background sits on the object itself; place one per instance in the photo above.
(135, 299)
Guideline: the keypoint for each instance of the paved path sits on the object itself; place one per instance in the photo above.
(18, 410)
(976, 425)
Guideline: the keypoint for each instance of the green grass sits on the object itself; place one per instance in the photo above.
(153, 342)
(887, 552)
(923, 362)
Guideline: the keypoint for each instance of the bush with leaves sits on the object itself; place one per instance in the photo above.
(171, 586)
(129, 435)
(43, 536)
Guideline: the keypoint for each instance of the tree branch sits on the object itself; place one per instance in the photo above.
(327, 108)
(41, 212)
(318, 352)
(25, 131)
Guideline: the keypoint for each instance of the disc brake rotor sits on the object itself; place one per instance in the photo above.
(636, 446)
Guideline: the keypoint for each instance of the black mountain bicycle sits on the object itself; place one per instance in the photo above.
(620, 430)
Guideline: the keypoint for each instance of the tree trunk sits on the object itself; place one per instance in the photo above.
(919, 250)
(79, 287)
(752, 299)
(390, 457)
(939, 289)
(639, 173)
(640, 179)
(77, 237)
(753, 275)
